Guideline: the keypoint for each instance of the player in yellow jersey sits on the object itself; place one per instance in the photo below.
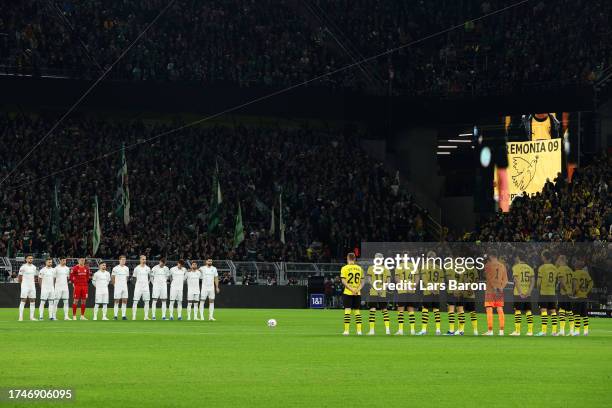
(352, 279)
(548, 276)
(566, 276)
(467, 302)
(523, 276)
(452, 300)
(407, 298)
(378, 295)
(432, 276)
(582, 284)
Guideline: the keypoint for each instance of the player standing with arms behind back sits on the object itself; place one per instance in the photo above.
(46, 279)
(119, 278)
(496, 278)
(193, 290)
(210, 286)
(27, 279)
(524, 282)
(142, 272)
(100, 280)
(159, 274)
(352, 279)
(62, 274)
(177, 276)
(79, 276)
(548, 276)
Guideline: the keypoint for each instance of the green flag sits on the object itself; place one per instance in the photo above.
(54, 226)
(215, 202)
(97, 232)
(239, 229)
(122, 198)
(281, 222)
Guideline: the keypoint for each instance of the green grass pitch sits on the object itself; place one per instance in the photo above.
(238, 361)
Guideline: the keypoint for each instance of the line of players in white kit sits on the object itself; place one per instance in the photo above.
(53, 283)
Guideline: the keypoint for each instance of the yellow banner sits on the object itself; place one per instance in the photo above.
(530, 164)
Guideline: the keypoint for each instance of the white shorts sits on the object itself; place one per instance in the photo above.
(142, 292)
(176, 294)
(121, 292)
(160, 291)
(102, 296)
(28, 292)
(61, 293)
(47, 294)
(207, 293)
(193, 295)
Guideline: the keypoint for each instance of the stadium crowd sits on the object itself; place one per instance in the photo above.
(281, 43)
(333, 195)
(563, 212)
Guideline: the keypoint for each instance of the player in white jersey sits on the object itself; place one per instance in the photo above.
(100, 280)
(178, 274)
(46, 279)
(27, 278)
(62, 273)
(142, 273)
(210, 286)
(159, 278)
(119, 279)
(193, 290)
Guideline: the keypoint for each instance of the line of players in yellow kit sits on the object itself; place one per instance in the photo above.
(562, 295)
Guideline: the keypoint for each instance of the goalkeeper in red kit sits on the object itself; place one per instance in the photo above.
(79, 276)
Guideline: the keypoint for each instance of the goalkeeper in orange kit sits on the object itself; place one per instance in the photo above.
(496, 278)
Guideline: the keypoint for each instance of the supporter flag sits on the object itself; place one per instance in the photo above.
(122, 197)
(239, 230)
(97, 232)
(272, 224)
(54, 228)
(281, 222)
(215, 202)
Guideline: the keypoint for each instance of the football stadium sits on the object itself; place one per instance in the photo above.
(284, 203)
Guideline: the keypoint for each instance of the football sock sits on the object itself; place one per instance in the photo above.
(347, 319)
(451, 321)
(96, 306)
(153, 308)
(74, 309)
(104, 309)
(179, 310)
(554, 322)
(474, 319)
(412, 320)
(66, 314)
(544, 317)
(41, 309)
(171, 308)
(501, 317)
(424, 319)
(490, 318)
(437, 318)
(211, 310)
(577, 321)
(134, 308)
(358, 319)
(371, 319)
(400, 320)
(386, 318)
(21, 307)
(146, 310)
(188, 310)
(585, 324)
(517, 321)
(529, 321)
(562, 319)
(570, 314)
(123, 309)
(461, 321)
(202, 309)
(163, 308)
(82, 308)
(32, 309)
(116, 309)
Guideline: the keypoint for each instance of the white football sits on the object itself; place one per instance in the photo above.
(272, 323)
